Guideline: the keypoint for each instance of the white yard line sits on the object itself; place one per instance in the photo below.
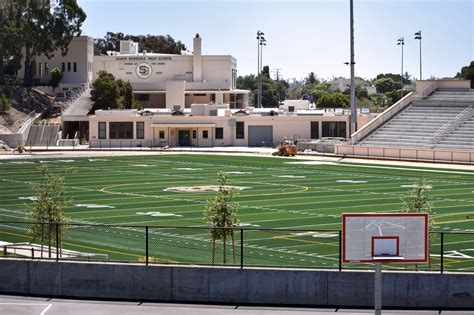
(46, 309)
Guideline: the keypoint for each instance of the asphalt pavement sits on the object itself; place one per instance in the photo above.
(21, 305)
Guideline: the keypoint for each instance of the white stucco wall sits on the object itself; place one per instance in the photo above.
(81, 52)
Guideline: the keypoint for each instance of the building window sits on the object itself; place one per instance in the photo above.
(102, 130)
(240, 130)
(140, 130)
(205, 134)
(63, 67)
(40, 69)
(200, 94)
(142, 97)
(46, 69)
(162, 134)
(219, 133)
(334, 129)
(194, 134)
(121, 130)
(291, 109)
(314, 130)
(75, 67)
(68, 67)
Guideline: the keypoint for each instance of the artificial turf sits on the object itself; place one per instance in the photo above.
(279, 193)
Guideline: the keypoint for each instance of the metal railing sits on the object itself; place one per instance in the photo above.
(460, 156)
(428, 91)
(441, 132)
(243, 247)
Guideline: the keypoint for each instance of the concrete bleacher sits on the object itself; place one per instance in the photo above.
(444, 120)
(43, 135)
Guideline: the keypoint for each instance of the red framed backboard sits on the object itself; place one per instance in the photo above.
(385, 237)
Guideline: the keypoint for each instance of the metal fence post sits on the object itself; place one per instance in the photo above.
(340, 250)
(32, 253)
(146, 245)
(442, 253)
(4, 251)
(241, 248)
(57, 241)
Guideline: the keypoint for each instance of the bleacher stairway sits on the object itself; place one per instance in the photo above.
(445, 120)
(43, 135)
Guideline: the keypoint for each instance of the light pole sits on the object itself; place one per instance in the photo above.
(261, 41)
(401, 42)
(353, 119)
(418, 36)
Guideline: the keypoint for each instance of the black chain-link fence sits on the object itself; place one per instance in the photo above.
(242, 247)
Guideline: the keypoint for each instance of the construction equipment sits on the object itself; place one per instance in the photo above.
(287, 148)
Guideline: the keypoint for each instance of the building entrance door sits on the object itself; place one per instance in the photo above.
(184, 138)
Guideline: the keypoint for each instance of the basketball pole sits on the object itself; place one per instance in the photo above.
(378, 289)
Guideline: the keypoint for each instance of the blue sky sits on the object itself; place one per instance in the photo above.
(304, 36)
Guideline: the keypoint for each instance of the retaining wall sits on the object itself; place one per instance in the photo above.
(232, 285)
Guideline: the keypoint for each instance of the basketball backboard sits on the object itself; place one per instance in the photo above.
(384, 237)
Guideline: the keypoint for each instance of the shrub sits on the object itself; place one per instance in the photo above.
(4, 104)
(56, 77)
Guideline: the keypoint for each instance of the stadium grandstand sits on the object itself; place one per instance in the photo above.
(439, 116)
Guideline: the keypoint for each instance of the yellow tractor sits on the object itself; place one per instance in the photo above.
(287, 148)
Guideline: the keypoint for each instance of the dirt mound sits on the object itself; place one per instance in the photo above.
(23, 101)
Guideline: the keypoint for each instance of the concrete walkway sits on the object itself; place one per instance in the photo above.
(16, 305)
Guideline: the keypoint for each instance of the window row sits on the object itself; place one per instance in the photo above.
(124, 130)
(219, 134)
(74, 67)
(121, 130)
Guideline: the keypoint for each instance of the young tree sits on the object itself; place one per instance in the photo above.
(416, 201)
(47, 211)
(220, 213)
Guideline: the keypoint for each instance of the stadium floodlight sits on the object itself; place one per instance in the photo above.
(353, 116)
(418, 37)
(401, 42)
(261, 41)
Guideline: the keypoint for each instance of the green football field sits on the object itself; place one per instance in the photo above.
(303, 199)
